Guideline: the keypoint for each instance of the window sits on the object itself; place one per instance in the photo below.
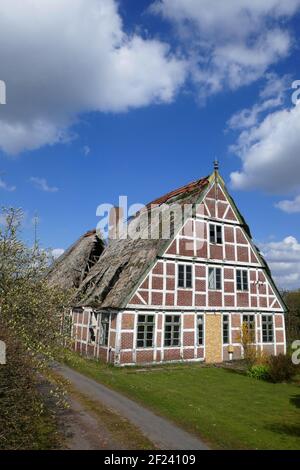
(215, 234)
(200, 330)
(225, 329)
(214, 279)
(92, 328)
(104, 330)
(241, 280)
(185, 276)
(145, 331)
(172, 330)
(92, 336)
(267, 328)
(249, 320)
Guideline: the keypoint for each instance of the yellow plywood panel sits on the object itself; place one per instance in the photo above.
(213, 338)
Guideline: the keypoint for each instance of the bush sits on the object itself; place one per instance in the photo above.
(259, 372)
(281, 368)
(25, 421)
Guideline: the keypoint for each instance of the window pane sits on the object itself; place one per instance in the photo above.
(218, 278)
(212, 233)
(200, 329)
(145, 331)
(188, 276)
(225, 329)
(188, 270)
(211, 278)
(238, 280)
(267, 328)
(219, 234)
(245, 280)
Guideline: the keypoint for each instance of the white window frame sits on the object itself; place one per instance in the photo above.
(227, 322)
(203, 330)
(184, 265)
(145, 324)
(104, 331)
(242, 280)
(215, 288)
(172, 324)
(270, 322)
(215, 238)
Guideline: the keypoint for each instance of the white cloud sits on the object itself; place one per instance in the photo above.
(270, 153)
(291, 207)
(231, 43)
(57, 252)
(271, 96)
(86, 150)
(4, 185)
(284, 260)
(61, 58)
(42, 184)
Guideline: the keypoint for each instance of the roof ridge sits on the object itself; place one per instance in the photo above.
(189, 187)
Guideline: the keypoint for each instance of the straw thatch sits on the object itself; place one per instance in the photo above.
(71, 268)
(124, 262)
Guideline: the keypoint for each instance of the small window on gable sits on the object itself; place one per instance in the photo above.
(215, 234)
(242, 280)
(185, 277)
(214, 279)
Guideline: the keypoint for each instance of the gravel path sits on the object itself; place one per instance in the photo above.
(160, 431)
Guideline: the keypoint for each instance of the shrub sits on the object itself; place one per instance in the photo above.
(259, 372)
(281, 368)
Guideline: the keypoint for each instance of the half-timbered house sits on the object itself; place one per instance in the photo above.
(183, 297)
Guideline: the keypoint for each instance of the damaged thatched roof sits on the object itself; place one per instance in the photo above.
(71, 268)
(112, 279)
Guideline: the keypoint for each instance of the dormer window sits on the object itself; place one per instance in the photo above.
(215, 234)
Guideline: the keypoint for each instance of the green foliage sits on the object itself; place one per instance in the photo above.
(31, 315)
(25, 421)
(292, 317)
(259, 372)
(281, 368)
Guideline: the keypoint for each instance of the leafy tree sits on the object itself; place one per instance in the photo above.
(31, 314)
(292, 320)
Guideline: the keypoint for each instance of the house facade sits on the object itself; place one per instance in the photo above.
(185, 298)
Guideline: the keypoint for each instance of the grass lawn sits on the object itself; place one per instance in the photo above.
(226, 409)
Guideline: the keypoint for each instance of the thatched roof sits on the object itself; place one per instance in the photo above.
(111, 281)
(71, 268)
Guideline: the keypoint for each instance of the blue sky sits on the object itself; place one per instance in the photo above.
(153, 114)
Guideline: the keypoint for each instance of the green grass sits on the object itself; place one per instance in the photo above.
(226, 409)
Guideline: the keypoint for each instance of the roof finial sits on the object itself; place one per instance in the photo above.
(216, 165)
